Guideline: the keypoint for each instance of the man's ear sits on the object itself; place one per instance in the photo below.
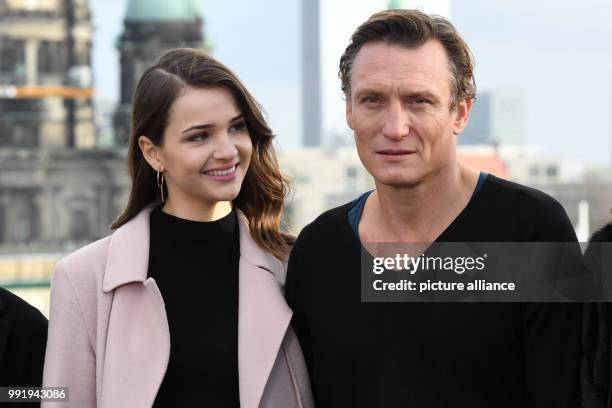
(462, 115)
(349, 111)
(151, 153)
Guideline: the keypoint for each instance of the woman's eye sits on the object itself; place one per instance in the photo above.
(199, 138)
(238, 127)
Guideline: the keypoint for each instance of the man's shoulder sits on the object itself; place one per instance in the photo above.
(19, 309)
(328, 220)
(538, 216)
(327, 227)
(507, 192)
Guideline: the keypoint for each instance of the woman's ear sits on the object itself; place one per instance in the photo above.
(151, 153)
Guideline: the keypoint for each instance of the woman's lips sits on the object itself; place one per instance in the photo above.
(223, 174)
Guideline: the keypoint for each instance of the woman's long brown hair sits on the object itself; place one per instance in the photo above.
(264, 188)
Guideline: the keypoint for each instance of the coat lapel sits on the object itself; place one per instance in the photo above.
(263, 316)
(138, 340)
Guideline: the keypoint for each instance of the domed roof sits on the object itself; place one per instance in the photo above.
(400, 4)
(437, 7)
(163, 10)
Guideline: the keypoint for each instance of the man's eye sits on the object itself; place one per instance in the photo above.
(420, 101)
(371, 99)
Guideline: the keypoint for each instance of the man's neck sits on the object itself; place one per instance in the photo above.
(419, 213)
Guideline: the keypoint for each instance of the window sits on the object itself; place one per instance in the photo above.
(552, 171)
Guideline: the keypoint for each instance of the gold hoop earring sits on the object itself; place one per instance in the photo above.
(160, 184)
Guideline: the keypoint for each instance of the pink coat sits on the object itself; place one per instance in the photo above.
(109, 341)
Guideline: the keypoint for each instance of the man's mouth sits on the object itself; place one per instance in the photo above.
(396, 152)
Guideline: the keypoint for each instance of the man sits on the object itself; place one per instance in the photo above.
(23, 338)
(409, 87)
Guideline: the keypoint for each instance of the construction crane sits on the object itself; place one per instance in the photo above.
(38, 92)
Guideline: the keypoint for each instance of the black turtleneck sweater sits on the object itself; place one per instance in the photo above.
(195, 266)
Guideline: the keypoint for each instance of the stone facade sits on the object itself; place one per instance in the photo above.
(56, 195)
(51, 199)
(35, 52)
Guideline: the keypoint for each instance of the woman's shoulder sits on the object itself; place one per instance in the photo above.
(85, 266)
(91, 260)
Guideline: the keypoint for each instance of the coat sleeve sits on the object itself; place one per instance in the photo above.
(297, 369)
(70, 358)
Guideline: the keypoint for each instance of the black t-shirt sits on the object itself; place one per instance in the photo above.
(434, 354)
(195, 266)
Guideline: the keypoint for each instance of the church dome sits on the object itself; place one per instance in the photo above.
(163, 10)
(400, 4)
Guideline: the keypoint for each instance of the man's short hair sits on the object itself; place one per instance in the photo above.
(412, 29)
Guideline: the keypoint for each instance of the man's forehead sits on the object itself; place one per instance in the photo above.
(383, 63)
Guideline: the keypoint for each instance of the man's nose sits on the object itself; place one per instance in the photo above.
(397, 123)
(225, 149)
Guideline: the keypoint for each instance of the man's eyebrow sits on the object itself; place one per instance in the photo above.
(210, 125)
(368, 91)
(421, 94)
(410, 94)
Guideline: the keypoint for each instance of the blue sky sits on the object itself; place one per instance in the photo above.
(558, 54)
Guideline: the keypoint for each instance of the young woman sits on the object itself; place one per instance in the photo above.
(182, 305)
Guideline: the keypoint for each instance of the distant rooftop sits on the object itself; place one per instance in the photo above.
(491, 163)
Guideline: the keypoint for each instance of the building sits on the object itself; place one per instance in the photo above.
(507, 118)
(51, 202)
(54, 197)
(529, 165)
(478, 131)
(311, 74)
(439, 7)
(321, 179)
(45, 74)
(497, 118)
(485, 160)
(58, 199)
(150, 28)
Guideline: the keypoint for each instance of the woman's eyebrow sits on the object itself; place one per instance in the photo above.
(204, 126)
(210, 125)
(238, 117)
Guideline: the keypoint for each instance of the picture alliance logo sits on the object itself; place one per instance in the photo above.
(405, 262)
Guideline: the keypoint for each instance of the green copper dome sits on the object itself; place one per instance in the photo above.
(163, 10)
(400, 4)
